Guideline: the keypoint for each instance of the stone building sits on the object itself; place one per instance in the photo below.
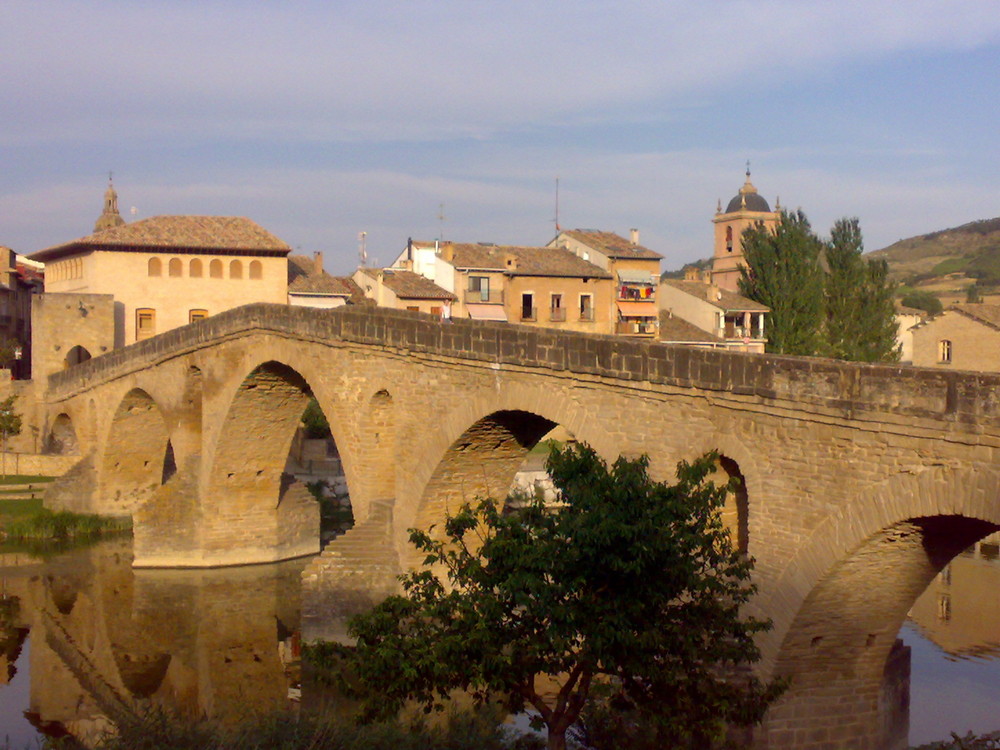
(543, 286)
(635, 270)
(167, 271)
(309, 285)
(746, 209)
(403, 290)
(20, 279)
(963, 337)
(734, 321)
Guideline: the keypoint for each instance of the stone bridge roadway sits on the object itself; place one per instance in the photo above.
(861, 482)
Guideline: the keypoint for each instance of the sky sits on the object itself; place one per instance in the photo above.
(321, 120)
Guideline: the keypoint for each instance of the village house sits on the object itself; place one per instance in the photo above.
(168, 271)
(20, 278)
(309, 285)
(634, 269)
(544, 286)
(963, 337)
(734, 321)
(404, 290)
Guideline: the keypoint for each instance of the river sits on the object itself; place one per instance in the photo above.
(84, 637)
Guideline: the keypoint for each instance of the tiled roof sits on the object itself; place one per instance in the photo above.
(409, 285)
(611, 244)
(986, 314)
(722, 298)
(209, 234)
(528, 261)
(677, 329)
(303, 279)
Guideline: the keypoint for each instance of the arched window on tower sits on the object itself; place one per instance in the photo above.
(729, 239)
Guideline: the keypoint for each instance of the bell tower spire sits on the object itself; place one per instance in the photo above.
(109, 217)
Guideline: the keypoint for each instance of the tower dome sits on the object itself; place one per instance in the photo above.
(748, 199)
(109, 217)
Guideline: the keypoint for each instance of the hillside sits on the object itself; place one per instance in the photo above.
(966, 253)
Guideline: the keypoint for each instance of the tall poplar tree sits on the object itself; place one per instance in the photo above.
(783, 272)
(860, 312)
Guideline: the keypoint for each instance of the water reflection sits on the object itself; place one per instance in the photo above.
(101, 641)
(107, 640)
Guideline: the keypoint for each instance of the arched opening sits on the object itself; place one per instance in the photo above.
(75, 356)
(482, 462)
(195, 268)
(736, 513)
(263, 511)
(235, 269)
(215, 269)
(256, 270)
(154, 267)
(62, 437)
(135, 453)
(848, 672)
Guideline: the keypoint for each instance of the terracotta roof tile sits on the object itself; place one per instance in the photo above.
(611, 244)
(980, 311)
(303, 279)
(674, 329)
(723, 299)
(209, 234)
(527, 261)
(409, 285)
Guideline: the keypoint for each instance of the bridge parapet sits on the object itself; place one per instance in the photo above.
(841, 388)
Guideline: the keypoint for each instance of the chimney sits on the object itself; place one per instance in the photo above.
(318, 263)
(634, 233)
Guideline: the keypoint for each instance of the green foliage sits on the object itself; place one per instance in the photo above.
(314, 421)
(62, 526)
(10, 420)
(157, 730)
(628, 582)
(969, 741)
(783, 272)
(846, 311)
(860, 309)
(922, 300)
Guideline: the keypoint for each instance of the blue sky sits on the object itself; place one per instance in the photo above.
(323, 119)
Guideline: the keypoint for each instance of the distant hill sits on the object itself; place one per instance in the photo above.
(952, 257)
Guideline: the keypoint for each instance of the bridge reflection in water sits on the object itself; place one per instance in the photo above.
(107, 640)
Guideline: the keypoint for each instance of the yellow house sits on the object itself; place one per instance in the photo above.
(168, 271)
(635, 272)
(404, 290)
(963, 337)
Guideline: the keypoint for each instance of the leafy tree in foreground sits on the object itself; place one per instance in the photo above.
(783, 272)
(628, 583)
(860, 311)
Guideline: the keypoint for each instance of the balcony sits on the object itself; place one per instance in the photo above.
(587, 316)
(529, 314)
(635, 328)
(475, 296)
(557, 314)
(741, 332)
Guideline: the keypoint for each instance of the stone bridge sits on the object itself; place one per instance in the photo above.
(860, 482)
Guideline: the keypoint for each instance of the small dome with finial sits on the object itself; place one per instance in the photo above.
(748, 199)
(109, 217)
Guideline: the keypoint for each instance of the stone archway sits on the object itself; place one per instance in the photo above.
(62, 439)
(75, 356)
(837, 651)
(260, 513)
(134, 455)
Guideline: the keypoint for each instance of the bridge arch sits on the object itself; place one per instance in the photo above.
(852, 585)
(62, 439)
(136, 451)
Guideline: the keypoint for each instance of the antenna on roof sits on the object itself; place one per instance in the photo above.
(362, 248)
(558, 228)
(441, 219)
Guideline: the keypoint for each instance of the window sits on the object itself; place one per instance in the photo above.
(235, 269)
(479, 288)
(729, 239)
(527, 306)
(145, 323)
(436, 311)
(155, 267)
(174, 267)
(586, 307)
(413, 308)
(194, 269)
(944, 352)
(557, 312)
(196, 315)
(215, 269)
(256, 270)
